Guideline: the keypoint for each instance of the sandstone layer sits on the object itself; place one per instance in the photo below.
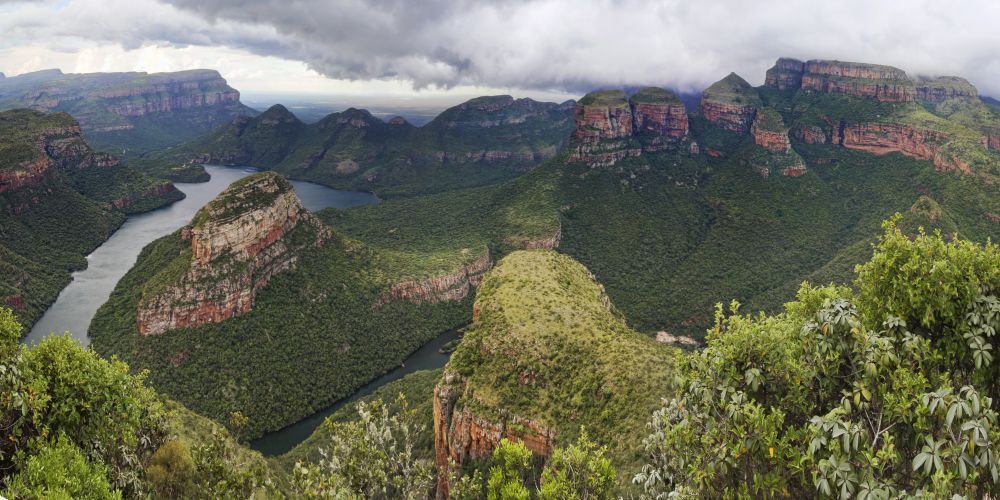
(237, 243)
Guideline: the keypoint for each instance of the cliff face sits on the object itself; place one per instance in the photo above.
(769, 131)
(610, 127)
(237, 243)
(731, 104)
(882, 138)
(452, 286)
(884, 83)
(144, 111)
(786, 74)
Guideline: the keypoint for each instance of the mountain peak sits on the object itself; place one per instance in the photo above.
(278, 113)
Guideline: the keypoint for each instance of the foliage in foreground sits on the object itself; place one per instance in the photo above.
(879, 393)
(73, 425)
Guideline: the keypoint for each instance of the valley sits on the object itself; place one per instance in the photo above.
(618, 296)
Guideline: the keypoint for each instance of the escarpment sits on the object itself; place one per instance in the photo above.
(544, 334)
(883, 83)
(769, 131)
(611, 127)
(237, 243)
(450, 286)
(922, 144)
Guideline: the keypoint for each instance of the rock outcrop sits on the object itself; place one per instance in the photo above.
(451, 286)
(611, 127)
(769, 131)
(237, 243)
(883, 138)
(884, 83)
(731, 104)
(786, 74)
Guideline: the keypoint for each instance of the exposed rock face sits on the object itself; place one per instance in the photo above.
(523, 243)
(733, 117)
(769, 131)
(731, 104)
(882, 138)
(811, 134)
(993, 140)
(62, 148)
(460, 435)
(135, 94)
(610, 127)
(884, 83)
(238, 242)
(452, 286)
(786, 74)
(942, 88)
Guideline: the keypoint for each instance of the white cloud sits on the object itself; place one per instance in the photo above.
(574, 45)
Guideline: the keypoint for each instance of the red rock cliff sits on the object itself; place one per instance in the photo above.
(731, 104)
(237, 244)
(786, 74)
(884, 83)
(451, 286)
(882, 138)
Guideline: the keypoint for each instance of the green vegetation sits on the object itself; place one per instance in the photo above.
(483, 141)
(549, 347)
(47, 226)
(416, 388)
(317, 330)
(668, 233)
(371, 457)
(732, 90)
(882, 392)
(605, 98)
(655, 95)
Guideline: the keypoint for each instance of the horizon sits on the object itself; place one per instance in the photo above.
(445, 49)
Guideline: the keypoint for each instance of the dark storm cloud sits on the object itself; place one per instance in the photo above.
(545, 44)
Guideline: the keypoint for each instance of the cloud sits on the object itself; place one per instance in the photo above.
(573, 45)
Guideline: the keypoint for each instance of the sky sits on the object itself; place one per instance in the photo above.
(548, 49)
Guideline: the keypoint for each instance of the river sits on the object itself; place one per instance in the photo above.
(91, 287)
(79, 301)
(428, 357)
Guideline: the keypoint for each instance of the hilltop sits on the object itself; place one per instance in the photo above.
(546, 354)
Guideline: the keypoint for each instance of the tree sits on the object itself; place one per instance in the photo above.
(876, 394)
(510, 471)
(171, 469)
(371, 458)
(578, 472)
(59, 470)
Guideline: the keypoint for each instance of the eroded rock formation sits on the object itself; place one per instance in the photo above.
(786, 74)
(942, 88)
(883, 138)
(730, 104)
(237, 243)
(884, 83)
(769, 131)
(611, 127)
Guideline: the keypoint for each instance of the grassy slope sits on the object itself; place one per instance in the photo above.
(542, 314)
